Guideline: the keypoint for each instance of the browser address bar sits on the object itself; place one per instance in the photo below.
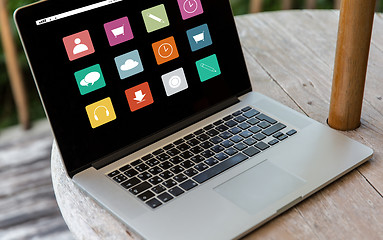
(76, 11)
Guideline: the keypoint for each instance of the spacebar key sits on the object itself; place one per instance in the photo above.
(217, 169)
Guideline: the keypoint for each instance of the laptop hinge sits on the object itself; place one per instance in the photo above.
(164, 133)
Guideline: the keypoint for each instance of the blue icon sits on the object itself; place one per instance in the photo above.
(199, 37)
(129, 64)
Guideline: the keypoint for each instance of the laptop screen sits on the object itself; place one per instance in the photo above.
(112, 73)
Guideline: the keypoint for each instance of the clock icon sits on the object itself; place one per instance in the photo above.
(165, 50)
(190, 6)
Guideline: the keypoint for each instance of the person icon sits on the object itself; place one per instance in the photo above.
(79, 48)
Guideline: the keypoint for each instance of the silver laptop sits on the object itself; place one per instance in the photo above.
(153, 112)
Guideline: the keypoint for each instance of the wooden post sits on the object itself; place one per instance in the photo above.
(255, 6)
(13, 67)
(353, 46)
(311, 4)
(337, 4)
(287, 4)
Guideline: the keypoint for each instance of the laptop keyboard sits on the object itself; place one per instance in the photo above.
(169, 172)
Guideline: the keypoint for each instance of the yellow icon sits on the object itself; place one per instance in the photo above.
(101, 112)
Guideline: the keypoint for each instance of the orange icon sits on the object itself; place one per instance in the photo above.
(165, 50)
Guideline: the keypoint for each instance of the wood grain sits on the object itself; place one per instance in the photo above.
(353, 46)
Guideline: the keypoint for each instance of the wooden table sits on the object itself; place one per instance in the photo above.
(290, 57)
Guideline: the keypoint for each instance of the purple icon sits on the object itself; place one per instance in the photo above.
(118, 31)
(190, 8)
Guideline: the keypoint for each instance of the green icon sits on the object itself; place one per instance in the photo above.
(155, 18)
(208, 68)
(90, 79)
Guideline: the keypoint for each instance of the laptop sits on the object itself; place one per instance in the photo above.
(154, 115)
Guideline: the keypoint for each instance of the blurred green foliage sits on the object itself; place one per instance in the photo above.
(8, 114)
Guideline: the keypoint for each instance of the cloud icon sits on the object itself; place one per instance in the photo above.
(90, 78)
(129, 65)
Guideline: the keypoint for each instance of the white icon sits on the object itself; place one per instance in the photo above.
(155, 18)
(106, 112)
(207, 67)
(118, 31)
(175, 82)
(165, 50)
(129, 65)
(139, 97)
(199, 37)
(90, 78)
(190, 6)
(79, 48)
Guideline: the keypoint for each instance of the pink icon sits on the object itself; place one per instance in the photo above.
(190, 8)
(118, 31)
(78, 45)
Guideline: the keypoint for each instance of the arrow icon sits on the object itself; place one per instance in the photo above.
(139, 96)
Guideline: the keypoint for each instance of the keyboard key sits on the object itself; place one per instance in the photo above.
(246, 109)
(203, 137)
(165, 197)
(240, 146)
(186, 155)
(222, 128)
(236, 139)
(155, 180)
(131, 173)
(168, 147)
(259, 137)
(217, 123)
(166, 175)
(154, 203)
(221, 156)
(187, 164)
(137, 162)
(263, 117)
(163, 157)
(291, 132)
(152, 162)
(188, 137)
(183, 147)
(212, 133)
(244, 125)
(189, 184)
(226, 135)
(227, 143)
(166, 165)
(199, 132)
(255, 129)
(193, 142)
(173, 152)
(177, 169)
(140, 188)
(278, 134)
(142, 167)
(114, 173)
(180, 178)
(237, 113)
(211, 161)
(126, 167)
(197, 159)
(201, 167)
(240, 119)
(276, 128)
(264, 125)
(235, 130)
(227, 118)
(251, 151)
(273, 142)
(146, 196)
(208, 127)
(176, 160)
(216, 140)
(197, 150)
(169, 183)
(207, 154)
(283, 137)
(253, 121)
(206, 145)
(251, 113)
(262, 146)
(158, 152)
(131, 183)
(217, 148)
(231, 123)
(147, 157)
(176, 191)
(191, 172)
(178, 142)
(156, 170)
(231, 151)
(158, 189)
(219, 168)
(246, 134)
(250, 141)
(144, 176)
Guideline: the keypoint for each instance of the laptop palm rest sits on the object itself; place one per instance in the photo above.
(262, 185)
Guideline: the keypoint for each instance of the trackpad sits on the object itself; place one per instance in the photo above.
(260, 186)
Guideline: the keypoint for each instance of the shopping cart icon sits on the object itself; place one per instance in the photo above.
(118, 31)
(199, 37)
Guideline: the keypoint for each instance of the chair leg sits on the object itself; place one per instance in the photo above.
(255, 6)
(13, 67)
(310, 4)
(287, 4)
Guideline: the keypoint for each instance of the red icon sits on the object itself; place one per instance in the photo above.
(139, 96)
(78, 45)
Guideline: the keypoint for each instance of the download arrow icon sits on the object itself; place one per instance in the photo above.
(139, 96)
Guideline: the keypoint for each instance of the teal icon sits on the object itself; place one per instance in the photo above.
(208, 68)
(90, 79)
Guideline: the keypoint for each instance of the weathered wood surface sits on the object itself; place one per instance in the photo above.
(28, 208)
(290, 57)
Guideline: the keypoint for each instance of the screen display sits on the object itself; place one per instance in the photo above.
(112, 73)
